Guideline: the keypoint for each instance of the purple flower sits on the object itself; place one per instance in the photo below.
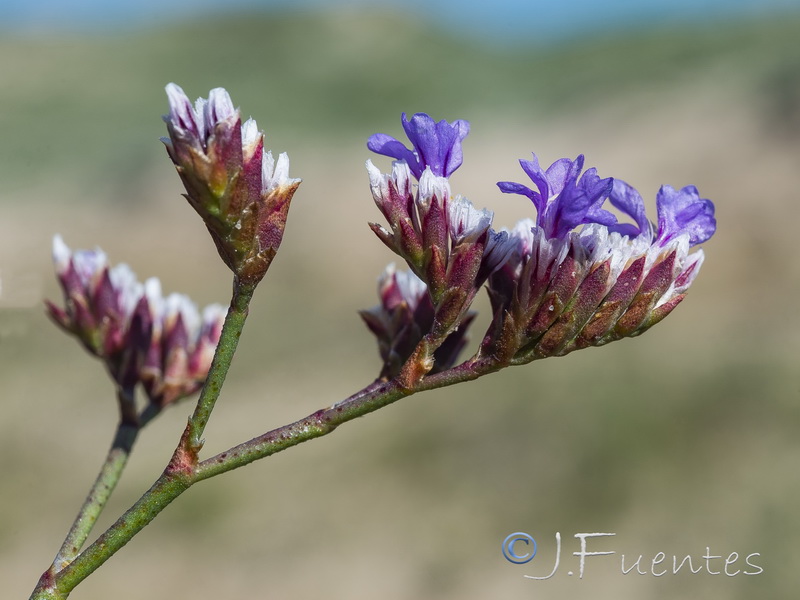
(564, 289)
(629, 201)
(437, 146)
(684, 212)
(564, 199)
(680, 212)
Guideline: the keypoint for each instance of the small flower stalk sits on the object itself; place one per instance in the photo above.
(164, 344)
(241, 193)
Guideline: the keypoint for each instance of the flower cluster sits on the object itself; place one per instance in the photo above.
(446, 241)
(162, 343)
(241, 193)
(403, 317)
(574, 277)
(564, 289)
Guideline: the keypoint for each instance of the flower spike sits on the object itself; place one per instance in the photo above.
(236, 187)
(448, 243)
(564, 289)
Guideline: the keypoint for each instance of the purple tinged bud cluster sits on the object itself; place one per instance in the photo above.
(403, 317)
(176, 343)
(162, 343)
(239, 190)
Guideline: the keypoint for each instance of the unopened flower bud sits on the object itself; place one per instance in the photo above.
(237, 188)
(403, 317)
(181, 345)
(162, 343)
(98, 301)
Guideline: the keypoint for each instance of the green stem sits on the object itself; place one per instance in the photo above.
(179, 476)
(168, 487)
(229, 340)
(371, 398)
(68, 570)
(95, 502)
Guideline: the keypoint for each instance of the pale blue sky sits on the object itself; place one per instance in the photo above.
(514, 20)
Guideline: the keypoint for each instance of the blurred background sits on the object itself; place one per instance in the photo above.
(678, 441)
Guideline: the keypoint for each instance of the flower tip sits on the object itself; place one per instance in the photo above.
(419, 117)
(375, 175)
(250, 134)
(152, 291)
(282, 171)
(61, 253)
(175, 92)
(468, 223)
(275, 175)
(179, 103)
(219, 106)
(180, 306)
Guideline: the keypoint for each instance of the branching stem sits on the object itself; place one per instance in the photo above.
(184, 470)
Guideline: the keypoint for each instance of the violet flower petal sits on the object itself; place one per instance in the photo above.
(435, 145)
(625, 197)
(565, 198)
(683, 211)
(380, 143)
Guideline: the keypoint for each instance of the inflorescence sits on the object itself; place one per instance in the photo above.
(573, 277)
(162, 343)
